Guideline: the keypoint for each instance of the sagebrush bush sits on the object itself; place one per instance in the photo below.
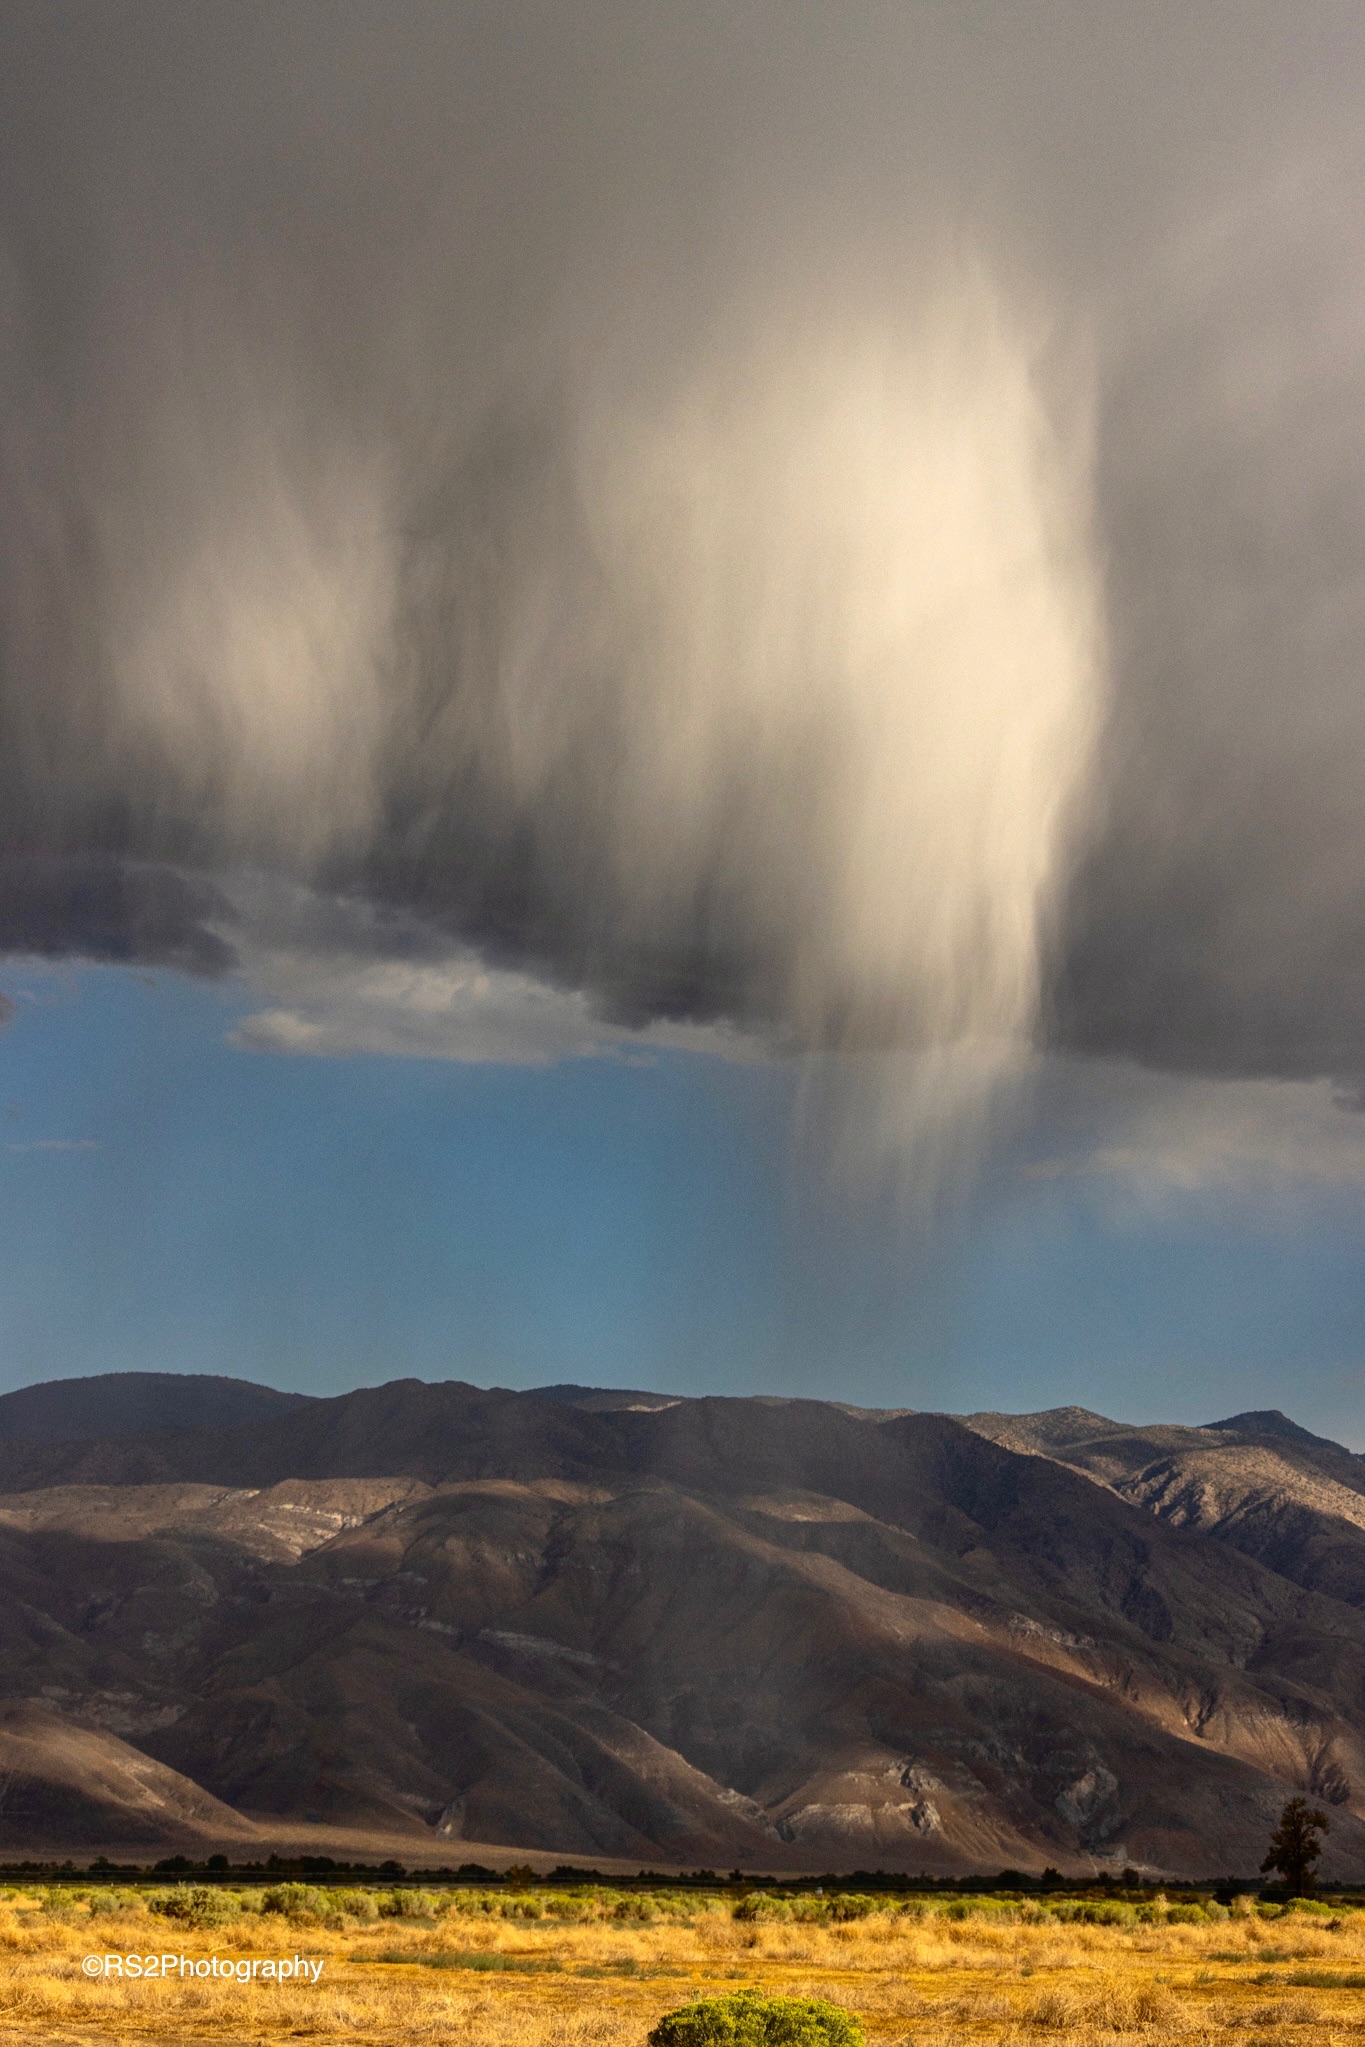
(1095, 1912)
(105, 1904)
(427, 1905)
(359, 1905)
(199, 1905)
(748, 2020)
(305, 1904)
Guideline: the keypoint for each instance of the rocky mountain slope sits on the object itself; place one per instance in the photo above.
(1294, 1501)
(778, 1633)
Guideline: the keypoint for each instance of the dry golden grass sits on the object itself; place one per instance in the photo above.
(589, 1972)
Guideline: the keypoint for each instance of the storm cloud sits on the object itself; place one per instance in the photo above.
(840, 525)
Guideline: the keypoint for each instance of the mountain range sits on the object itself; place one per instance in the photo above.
(776, 1633)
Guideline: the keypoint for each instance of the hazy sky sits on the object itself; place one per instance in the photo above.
(712, 656)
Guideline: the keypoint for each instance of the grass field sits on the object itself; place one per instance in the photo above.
(547, 1968)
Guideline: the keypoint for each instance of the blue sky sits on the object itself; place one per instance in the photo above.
(172, 1201)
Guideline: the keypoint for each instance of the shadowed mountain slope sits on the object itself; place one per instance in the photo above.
(83, 1785)
(1257, 1481)
(779, 1633)
(123, 1403)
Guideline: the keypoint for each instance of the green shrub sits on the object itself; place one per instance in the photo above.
(757, 1906)
(844, 1909)
(199, 1905)
(355, 1905)
(105, 1903)
(424, 1905)
(524, 1905)
(304, 1904)
(748, 2020)
(1102, 1912)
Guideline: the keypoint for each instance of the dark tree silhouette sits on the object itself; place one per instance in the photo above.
(1295, 1846)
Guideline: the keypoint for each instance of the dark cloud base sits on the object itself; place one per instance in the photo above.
(118, 912)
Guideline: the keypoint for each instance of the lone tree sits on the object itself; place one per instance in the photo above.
(1295, 1845)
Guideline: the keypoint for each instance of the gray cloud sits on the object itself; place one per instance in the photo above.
(115, 910)
(1218, 923)
(1121, 1133)
(835, 519)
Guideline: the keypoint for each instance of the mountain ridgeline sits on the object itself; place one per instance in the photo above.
(780, 1633)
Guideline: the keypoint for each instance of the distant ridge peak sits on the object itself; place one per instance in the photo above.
(130, 1403)
(1055, 1426)
(1083, 1417)
(1269, 1421)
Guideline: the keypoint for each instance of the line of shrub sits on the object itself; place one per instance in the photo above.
(311, 1904)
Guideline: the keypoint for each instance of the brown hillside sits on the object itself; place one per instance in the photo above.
(712, 1631)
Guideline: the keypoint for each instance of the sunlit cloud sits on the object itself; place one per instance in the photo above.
(456, 1008)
